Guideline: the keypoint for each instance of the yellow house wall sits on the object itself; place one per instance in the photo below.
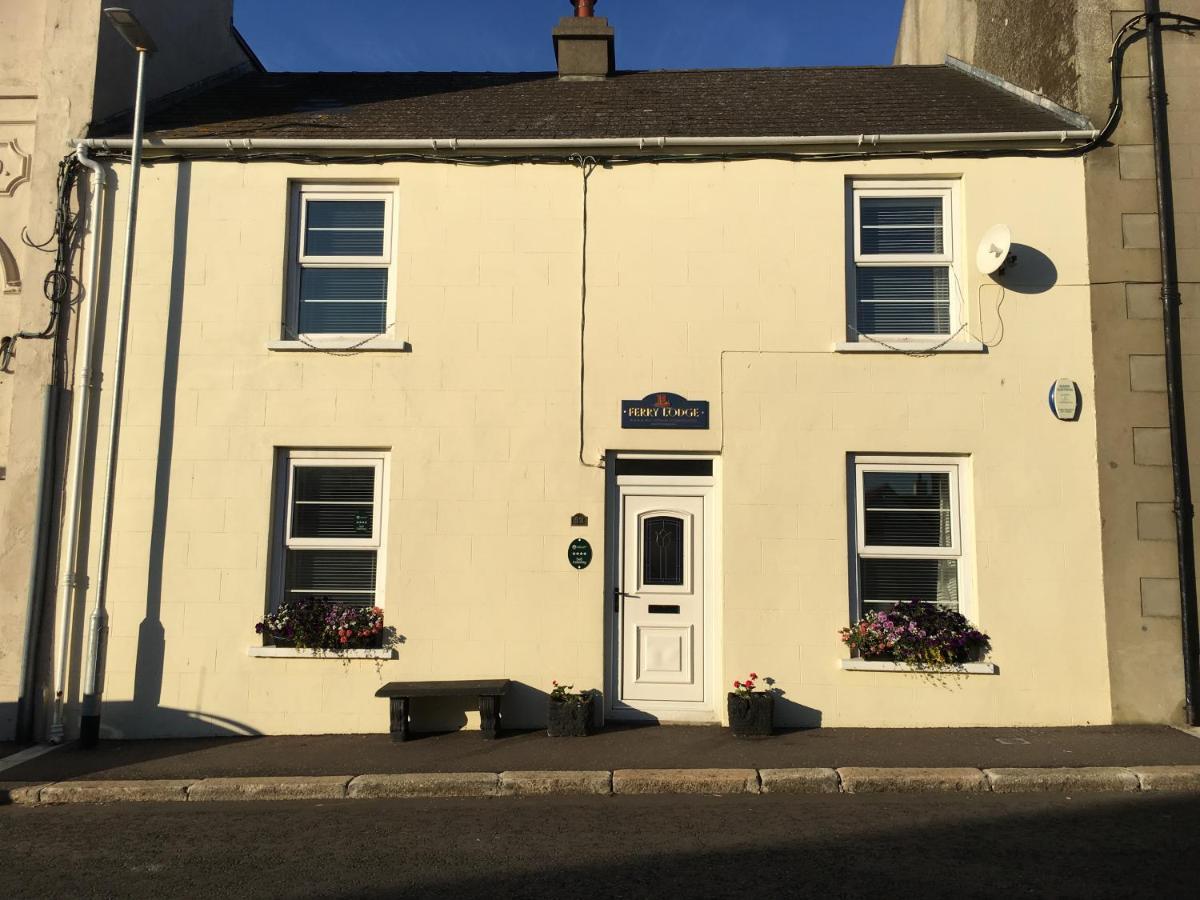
(723, 282)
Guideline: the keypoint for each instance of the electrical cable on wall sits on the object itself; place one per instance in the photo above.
(587, 165)
(59, 285)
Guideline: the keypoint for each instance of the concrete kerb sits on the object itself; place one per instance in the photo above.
(847, 780)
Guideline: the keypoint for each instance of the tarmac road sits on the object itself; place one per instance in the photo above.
(1097, 845)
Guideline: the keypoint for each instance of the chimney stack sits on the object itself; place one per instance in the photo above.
(583, 45)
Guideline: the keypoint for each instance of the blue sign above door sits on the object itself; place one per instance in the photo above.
(664, 411)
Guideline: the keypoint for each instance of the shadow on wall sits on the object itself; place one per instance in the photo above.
(1033, 272)
(144, 713)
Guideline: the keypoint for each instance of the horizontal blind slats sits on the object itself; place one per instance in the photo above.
(903, 299)
(344, 228)
(322, 572)
(350, 483)
(901, 225)
(883, 582)
(343, 301)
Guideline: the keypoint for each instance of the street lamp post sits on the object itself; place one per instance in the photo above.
(127, 25)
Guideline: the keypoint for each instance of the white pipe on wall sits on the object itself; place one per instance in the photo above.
(69, 548)
(635, 143)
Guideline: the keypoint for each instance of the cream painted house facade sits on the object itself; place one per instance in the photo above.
(723, 282)
(377, 367)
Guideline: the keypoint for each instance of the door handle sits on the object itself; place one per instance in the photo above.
(617, 595)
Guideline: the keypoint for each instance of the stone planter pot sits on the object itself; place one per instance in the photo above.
(752, 716)
(570, 718)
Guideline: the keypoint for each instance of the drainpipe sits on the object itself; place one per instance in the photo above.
(35, 598)
(1174, 363)
(72, 577)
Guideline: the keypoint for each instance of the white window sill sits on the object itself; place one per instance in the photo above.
(879, 665)
(298, 653)
(345, 345)
(910, 346)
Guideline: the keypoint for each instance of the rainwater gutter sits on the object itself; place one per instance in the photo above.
(574, 144)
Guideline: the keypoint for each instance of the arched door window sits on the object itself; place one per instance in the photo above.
(662, 551)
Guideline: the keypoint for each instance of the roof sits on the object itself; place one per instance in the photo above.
(537, 105)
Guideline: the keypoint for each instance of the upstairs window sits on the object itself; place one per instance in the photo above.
(909, 532)
(342, 278)
(332, 527)
(902, 278)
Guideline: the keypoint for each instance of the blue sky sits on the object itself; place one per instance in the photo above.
(514, 35)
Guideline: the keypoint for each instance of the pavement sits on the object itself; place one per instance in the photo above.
(647, 759)
(928, 846)
(647, 747)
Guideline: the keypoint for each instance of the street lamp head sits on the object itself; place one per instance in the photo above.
(131, 29)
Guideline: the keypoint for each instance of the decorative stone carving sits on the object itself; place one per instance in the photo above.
(14, 167)
(8, 265)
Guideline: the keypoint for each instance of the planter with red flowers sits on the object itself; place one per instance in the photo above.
(570, 714)
(322, 627)
(752, 711)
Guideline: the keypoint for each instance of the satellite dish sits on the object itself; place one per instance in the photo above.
(994, 251)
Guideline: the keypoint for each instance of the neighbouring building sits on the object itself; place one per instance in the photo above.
(409, 339)
(59, 70)
(1060, 49)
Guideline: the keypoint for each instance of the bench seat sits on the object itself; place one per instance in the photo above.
(489, 691)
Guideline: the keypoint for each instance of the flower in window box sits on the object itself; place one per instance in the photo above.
(319, 624)
(918, 633)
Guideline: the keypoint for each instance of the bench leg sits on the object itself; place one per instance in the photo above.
(399, 715)
(489, 717)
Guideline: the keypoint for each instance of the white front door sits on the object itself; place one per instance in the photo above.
(660, 604)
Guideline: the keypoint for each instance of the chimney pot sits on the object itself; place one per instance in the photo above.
(584, 9)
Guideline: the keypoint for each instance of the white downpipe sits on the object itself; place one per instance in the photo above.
(68, 587)
(625, 143)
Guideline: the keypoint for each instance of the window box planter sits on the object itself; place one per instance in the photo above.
(571, 718)
(751, 715)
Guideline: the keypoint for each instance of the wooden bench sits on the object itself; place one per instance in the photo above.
(489, 692)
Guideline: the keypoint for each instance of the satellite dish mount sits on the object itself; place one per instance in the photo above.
(995, 251)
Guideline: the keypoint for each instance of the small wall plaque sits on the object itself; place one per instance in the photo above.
(579, 554)
(664, 410)
(1065, 400)
(579, 520)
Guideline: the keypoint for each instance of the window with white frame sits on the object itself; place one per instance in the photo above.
(909, 532)
(342, 280)
(332, 527)
(903, 282)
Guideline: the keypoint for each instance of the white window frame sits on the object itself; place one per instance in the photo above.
(951, 257)
(961, 522)
(301, 193)
(288, 461)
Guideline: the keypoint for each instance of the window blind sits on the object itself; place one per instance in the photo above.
(901, 225)
(343, 301)
(901, 270)
(907, 547)
(333, 502)
(333, 512)
(344, 228)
